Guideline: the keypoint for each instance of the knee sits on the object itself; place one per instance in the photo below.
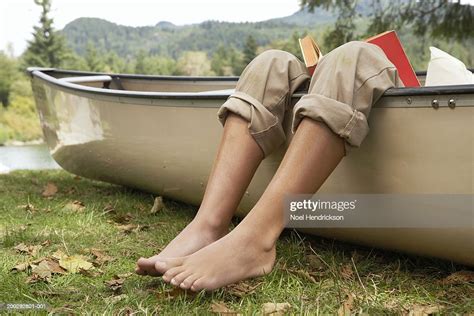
(356, 49)
(275, 59)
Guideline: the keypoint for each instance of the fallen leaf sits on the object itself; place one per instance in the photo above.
(74, 206)
(58, 255)
(21, 267)
(115, 284)
(158, 205)
(315, 262)
(174, 293)
(46, 243)
(91, 273)
(123, 275)
(74, 263)
(109, 208)
(42, 270)
(100, 258)
(115, 299)
(28, 207)
(31, 250)
(347, 272)
(127, 229)
(459, 277)
(242, 289)
(303, 274)
(221, 309)
(347, 306)
(49, 190)
(123, 218)
(420, 310)
(275, 308)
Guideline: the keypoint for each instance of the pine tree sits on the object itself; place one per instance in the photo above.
(48, 48)
(250, 49)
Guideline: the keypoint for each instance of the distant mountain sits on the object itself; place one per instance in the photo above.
(165, 38)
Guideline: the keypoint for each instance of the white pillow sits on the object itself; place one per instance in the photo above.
(444, 69)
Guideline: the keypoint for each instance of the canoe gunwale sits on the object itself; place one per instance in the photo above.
(44, 74)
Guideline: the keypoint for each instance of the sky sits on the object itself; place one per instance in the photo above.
(17, 17)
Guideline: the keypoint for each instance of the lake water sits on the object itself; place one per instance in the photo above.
(31, 157)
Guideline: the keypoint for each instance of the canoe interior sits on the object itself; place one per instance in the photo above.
(166, 144)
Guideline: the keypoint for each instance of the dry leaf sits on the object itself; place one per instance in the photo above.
(174, 293)
(58, 255)
(91, 273)
(109, 208)
(74, 206)
(20, 267)
(115, 299)
(303, 274)
(158, 205)
(127, 229)
(347, 306)
(419, 310)
(115, 284)
(123, 275)
(30, 250)
(74, 263)
(221, 309)
(459, 277)
(42, 270)
(347, 272)
(123, 218)
(99, 257)
(315, 262)
(28, 207)
(275, 308)
(242, 289)
(50, 189)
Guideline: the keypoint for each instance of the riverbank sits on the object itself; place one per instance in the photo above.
(72, 243)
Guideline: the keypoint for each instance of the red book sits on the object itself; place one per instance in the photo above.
(391, 45)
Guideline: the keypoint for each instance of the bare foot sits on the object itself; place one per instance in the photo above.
(239, 255)
(193, 237)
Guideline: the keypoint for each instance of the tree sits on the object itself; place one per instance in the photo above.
(93, 59)
(224, 61)
(438, 18)
(250, 49)
(8, 74)
(48, 48)
(194, 63)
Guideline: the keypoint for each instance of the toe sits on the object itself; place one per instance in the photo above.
(162, 266)
(178, 278)
(197, 285)
(171, 273)
(146, 266)
(188, 282)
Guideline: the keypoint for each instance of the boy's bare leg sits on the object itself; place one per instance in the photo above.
(237, 160)
(249, 250)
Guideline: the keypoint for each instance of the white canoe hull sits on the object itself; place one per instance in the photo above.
(166, 145)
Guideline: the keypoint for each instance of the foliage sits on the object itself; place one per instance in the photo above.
(48, 47)
(19, 120)
(8, 74)
(436, 18)
(194, 63)
(250, 49)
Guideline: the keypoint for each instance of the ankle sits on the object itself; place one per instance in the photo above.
(211, 225)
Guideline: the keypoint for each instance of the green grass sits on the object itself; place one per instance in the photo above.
(312, 274)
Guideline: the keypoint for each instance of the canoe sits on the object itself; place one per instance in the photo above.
(160, 134)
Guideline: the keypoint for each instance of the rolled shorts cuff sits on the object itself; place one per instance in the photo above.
(340, 117)
(263, 125)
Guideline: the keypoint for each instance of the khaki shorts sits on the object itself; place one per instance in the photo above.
(345, 85)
